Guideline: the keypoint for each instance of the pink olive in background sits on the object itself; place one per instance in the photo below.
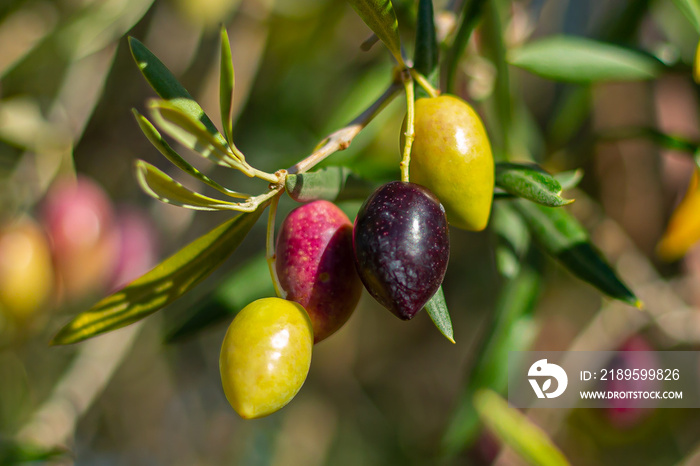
(633, 354)
(137, 246)
(79, 219)
(315, 265)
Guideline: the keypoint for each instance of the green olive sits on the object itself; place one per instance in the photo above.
(452, 157)
(265, 356)
(26, 271)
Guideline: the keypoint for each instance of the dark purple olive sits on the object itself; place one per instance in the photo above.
(402, 246)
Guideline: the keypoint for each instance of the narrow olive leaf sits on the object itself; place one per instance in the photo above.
(569, 179)
(166, 282)
(563, 237)
(425, 57)
(691, 10)
(513, 329)
(169, 88)
(330, 184)
(665, 140)
(579, 60)
(161, 79)
(157, 140)
(227, 83)
(514, 239)
(191, 132)
(436, 308)
(471, 14)
(515, 430)
(492, 37)
(570, 113)
(380, 16)
(244, 285)
(530, 182)
(160, 186)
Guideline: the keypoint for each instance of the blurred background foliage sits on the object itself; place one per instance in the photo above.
(381, 391)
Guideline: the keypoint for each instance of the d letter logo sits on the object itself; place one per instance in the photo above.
(543, 369)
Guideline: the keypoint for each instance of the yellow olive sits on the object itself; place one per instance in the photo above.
(452, 157)
(265, 356)
(26, 271)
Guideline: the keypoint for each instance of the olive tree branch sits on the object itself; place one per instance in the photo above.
(341, 139)
(54, 423)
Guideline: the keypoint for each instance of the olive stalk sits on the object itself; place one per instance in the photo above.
(410, 133)
(270, 255)
(424, 83)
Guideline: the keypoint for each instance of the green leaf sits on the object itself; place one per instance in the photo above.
(190, 131)
(503, 127)
(96, 25)
(579, 60)
(227, 83)
(436, 308)
(14, 452)
(157, 140)
(513, 329)
(691, 10)
(246, 284)
(330, 184)
(379, 15)
(563, 237)
(572, 110)
(530, 182)
(471, 14)
(665, 140)
(516, 431)
(169, 88)
(159, 185)
(514, 239)
(425, 57)
(569, 179)
(168, 281)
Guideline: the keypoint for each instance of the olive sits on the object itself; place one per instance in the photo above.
(26, 272)
(79, 219)
(314, 262)
(137, 250)
(265, 356)
(402, 247)
(451, 156)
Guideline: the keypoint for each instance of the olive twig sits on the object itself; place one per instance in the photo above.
(409, 134)
(55, 421)
(341, 139)
(252, 204)
(270, 255)
(424, 83)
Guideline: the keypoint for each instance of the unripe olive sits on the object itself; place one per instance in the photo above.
(452, 157)
(315, 265)
(265, 356)
(26, 271)
(402, 246)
